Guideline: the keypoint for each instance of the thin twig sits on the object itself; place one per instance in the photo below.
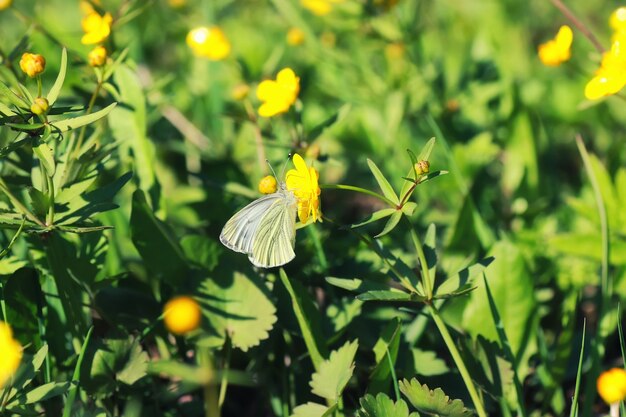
(578, 24)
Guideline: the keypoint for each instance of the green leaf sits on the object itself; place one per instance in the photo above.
(45, 155)
(383, 406)
(313, 410)
(38, 202)
(432, 402)
(6, 95)
(391, 224)
(426, 150)
(463, 279)
(152, 239)
(383, 183)
(238, 306)
(356, 284)
(513, 293)
(76, 122)
(588, 245)
(377, 215)
(335, 372)
(186, 373)
(385, 296)
(13, 146)
(54, 92)
(319, 129)
(202, 250)
(409, 208)
(386, 354)
(427, 363)
(27, 371)
(41, 393)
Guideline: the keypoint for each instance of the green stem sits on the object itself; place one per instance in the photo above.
(358, 190)
(92, 101)
(224, 383)
(50, 217)
(317, 243)
(456, 356)
(427, 282)
(67, 411)
(307, 332)
(39, 86)
(211, 404)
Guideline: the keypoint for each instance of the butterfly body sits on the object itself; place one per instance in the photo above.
(265, 229)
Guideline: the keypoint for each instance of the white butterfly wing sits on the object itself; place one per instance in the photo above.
(239, 232)
(275, 236)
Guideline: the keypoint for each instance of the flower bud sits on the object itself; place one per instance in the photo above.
(267, 185)
(40, 106)
(32, 64)
(422, 167)
(182, 315)
(612, 385)
(295, 37)
(97, 56)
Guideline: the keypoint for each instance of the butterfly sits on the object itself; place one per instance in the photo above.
(265, 229)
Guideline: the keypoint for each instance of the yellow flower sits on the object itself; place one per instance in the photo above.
(319, 7)
(5, 4)
(267, 185)
(97, 56)
(176, 3)
(209, 43)
(612, 385)
(618, 19)
(394, 51)
(182, 315)
(302, 181)
(557, 50)
(32, 64)
(96, 27)
(295, 37)
(10, 352)
(278, 95)
(610, 78)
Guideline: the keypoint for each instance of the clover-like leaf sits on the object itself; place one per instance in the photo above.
(237, 305)
(313, 410)
(434, 402)
(335, 372)
(383, 406)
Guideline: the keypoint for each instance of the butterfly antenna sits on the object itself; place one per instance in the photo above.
(271, 169)
(282, 174)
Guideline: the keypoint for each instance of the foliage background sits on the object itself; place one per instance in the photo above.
(392, 77)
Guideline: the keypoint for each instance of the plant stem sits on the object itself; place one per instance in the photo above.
(427, 282)
(211, 404)
(456, 356)
(578, 24)
(359, 190)
(50, 217)
(224, 384)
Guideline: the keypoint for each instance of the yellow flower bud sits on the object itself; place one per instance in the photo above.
(295, 37)
(97, 56)
(422, 167)
(10, 352)
(32, 64)
(612, 385)
(5, 4)
(394, 51)
(176, 3)
(267, 185)
(40, 106)
(182, 315)
(240, 92)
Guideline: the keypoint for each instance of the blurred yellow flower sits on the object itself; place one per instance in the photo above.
(319, 7)
(182, 314)
(32, 64)
(177, 3)
(394, 50)
(5, 4)
(610, 78)
(612, 385)
(209, 43)
(97, 56)
(303, 182)
(267, 185)
(556, 51)
(278, 95)
(240, 92)
(96, 27)
(40, 106)
(10, 352)
(618, 19)
(295, 37)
